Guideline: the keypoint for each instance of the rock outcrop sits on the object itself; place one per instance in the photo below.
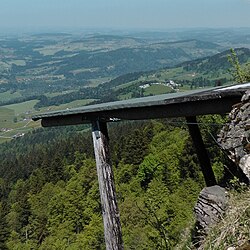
(210, 207)
(235, 137)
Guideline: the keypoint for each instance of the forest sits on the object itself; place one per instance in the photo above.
(49, 188)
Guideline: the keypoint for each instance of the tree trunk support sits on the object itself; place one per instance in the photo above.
(110, 213)
(204, 160)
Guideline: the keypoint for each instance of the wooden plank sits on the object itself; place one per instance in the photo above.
(194, 108)
(223, 95)
(111, 217)
(201, 151)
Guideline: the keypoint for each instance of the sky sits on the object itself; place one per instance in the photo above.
(25, 15)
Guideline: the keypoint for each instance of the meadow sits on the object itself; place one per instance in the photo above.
(15, 119)
(9, 95)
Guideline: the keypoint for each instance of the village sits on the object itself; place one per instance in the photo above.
(170, 83)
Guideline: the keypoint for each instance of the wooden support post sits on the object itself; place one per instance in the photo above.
(201, 151)
(110, 213)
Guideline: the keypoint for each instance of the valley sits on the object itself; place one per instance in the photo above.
(52, 71)
(48, 186)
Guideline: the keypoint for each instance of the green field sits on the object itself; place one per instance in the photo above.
(8, 95)
(6, 117)
(22, 113)
(18, 62)
(24, 107)
(157, 90)
(74, 104)
(125, 85)
(18, 129)
(170, 73)
(95, 82)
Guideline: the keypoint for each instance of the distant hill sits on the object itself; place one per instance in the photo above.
(53, 71)
(107, 60)
(216, 62)
(204, 72)
(205, 66)
(62, 34)
(56, 62)
(226, 37)
(199, 73)
(192, 43)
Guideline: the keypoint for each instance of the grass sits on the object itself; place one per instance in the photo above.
(21, 128)
(23, 112)
(8, 95)
(234, 229)
(74, 104)
(172, 73)
(125, 85)
(24, 107)
(157, 90)
(6, 122)
(18, 62)
(48, 50)
(71, 47)
(82, 70)
(97, 81)
(6, 117)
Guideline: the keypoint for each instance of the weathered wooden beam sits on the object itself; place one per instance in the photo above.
(110, 213)
(201, 151)
(182, 109)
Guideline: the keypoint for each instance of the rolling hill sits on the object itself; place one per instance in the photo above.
(47, 63)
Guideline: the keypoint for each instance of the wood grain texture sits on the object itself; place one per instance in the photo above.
(111, 217)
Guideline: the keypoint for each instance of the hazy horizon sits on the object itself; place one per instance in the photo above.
(62, 15)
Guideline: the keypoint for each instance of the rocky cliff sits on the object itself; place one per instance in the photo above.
(213, 201)
(235, 137)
